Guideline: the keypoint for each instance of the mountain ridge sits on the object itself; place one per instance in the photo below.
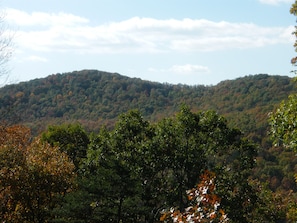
(95, 98)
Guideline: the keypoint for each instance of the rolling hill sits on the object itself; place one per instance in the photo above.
(95, 98)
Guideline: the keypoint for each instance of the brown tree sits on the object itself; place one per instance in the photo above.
(32, 174)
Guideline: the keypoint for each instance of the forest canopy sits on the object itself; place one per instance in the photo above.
(132, 173)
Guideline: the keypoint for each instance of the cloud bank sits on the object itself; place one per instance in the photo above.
(183, 69)
(62, 32)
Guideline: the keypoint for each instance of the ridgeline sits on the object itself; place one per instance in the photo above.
(95, 98)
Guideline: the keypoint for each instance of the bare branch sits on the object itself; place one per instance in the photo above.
(6, 46)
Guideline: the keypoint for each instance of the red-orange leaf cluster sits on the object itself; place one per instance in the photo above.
(205, 204)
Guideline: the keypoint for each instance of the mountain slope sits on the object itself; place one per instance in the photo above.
(94, 98)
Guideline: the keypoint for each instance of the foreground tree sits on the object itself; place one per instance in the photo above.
(283, 121)
(109, 182)
(193, 142)
(283, 125)
(70, 138)
(32, 174)
(13, 140)
(152, 166)
(205, 204)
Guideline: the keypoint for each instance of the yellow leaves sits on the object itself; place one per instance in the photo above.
(48, 159)
(31, 173)
(14, 135)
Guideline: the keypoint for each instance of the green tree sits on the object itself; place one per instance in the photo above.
(283, 120)
(137, 169)
(193, 142)
(272, 206)
(131, 146)
(110, 179)
(283, 123)
(70, 138)
(179, 156)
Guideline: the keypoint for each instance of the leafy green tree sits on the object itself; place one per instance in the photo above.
(283, 120)
(131, 145)
(179, 156)
(233, 173)
(283, 123)
(193, 142)
(70, 138)
(110, 179)
(137, 169)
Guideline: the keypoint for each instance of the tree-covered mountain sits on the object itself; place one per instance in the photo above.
(94, 98)
(91, 99)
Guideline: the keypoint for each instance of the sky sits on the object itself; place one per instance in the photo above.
(193, 42)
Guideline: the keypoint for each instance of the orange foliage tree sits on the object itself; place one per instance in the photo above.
(32, 173)
(204, 204)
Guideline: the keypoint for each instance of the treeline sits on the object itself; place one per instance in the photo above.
(137, 171)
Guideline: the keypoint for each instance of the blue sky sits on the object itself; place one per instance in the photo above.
(189, 42)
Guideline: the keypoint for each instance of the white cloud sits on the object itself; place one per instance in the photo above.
(69, 33)
(183, 69)
(37, 58)
(22, 18)
(275, 2)
(189, 68)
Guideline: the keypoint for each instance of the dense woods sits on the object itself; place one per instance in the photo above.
(94, 98)
(133, 173)
(108, 148)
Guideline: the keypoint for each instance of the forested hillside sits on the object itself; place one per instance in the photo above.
(94, 98)
(119, 149)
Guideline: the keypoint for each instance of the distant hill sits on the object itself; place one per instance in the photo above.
(95, 98)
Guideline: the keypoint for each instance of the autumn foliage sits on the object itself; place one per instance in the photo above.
(31, 175)
(205, 204)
